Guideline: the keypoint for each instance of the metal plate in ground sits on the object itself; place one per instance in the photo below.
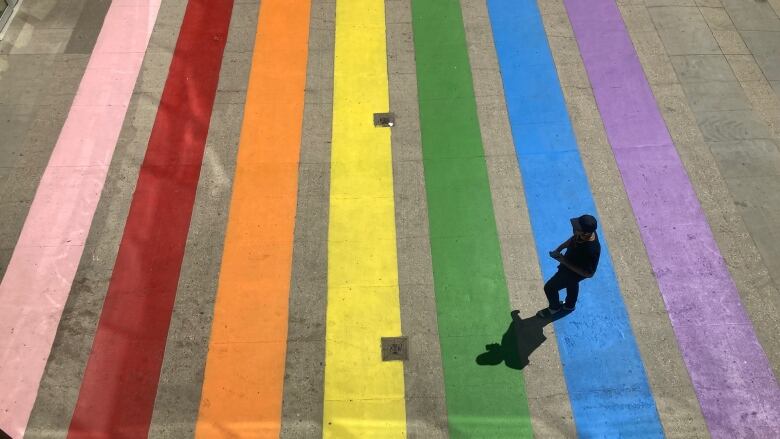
(395, 349)
(384, 119)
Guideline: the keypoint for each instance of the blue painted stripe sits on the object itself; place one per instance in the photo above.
(607, 385)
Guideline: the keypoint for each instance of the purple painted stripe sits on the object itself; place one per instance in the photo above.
(737, 391)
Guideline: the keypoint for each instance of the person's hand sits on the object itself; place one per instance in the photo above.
(556, 255)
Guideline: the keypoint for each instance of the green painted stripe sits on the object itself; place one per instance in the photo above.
(471, 292)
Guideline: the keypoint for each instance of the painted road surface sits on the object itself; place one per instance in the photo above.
(609, 392)
(330, 233)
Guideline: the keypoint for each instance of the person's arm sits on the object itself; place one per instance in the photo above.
(590, 266)
(574, 268)
(563, 246)
(556, 254)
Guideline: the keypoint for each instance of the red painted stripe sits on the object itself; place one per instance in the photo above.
(120, 382)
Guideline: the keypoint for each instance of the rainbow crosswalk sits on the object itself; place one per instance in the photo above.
(253, 270)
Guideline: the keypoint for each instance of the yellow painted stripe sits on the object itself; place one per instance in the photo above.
(364, 397)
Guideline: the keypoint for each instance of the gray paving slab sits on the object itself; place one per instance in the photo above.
(87, 27)
(411, 205)
(753, 15)
(759, 192)
(683, 30)
(716, 96)
(747, 158)
(43, 131)
(637, 17)
(650, 3)
(776, 86)
(765, 47)
(709, 3)
(61, 380)
(152, 79)
(21, 81)
(564, 49)
(745, 68)
(758, 203)
(550, 416)
(702, 68)
(244, 15)
(229, 97)
(176, 392)
(14, 126)
(31, 41)
(657, 69)
(765, 103)
(730, 42)
(581, 104)
(732, 125)
(245, 42)
(5, 172)
(755, 62)
(165, 34)
(717, 19)
(21, 185)
(683, 126)
(648, 43)
(555, 7)
(135, 133)
(557, 25)
(426, 410)
(234, 61)
(303, 391)
(491, 109)
(67, 69)
(14, 212)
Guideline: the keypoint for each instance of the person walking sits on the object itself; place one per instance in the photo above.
(579, 262)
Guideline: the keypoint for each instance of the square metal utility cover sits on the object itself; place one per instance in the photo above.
(384, 119)
(395, 349)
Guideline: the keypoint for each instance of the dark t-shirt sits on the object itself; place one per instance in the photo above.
(584, 255)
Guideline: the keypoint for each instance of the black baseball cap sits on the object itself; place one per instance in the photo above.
(584, 223)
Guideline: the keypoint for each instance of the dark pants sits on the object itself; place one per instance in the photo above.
(564, 278)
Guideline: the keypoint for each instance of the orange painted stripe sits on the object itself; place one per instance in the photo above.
(242, 389)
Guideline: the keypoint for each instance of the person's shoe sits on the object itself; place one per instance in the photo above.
(568, 308)
(548, 312)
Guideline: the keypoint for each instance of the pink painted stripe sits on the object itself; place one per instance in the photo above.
(41, 270)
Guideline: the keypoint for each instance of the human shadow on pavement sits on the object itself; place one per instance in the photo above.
(519, 341)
